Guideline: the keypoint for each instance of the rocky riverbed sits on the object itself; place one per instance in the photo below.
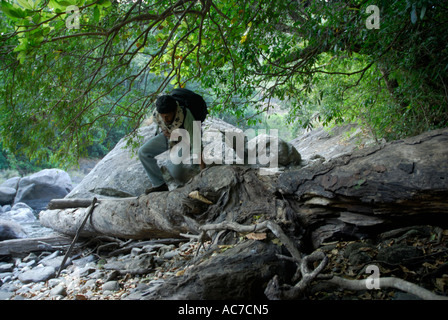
(106, 268)
(114, 270)
(92, 276)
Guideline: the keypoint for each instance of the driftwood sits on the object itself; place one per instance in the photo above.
(76, 203)
(19, 246)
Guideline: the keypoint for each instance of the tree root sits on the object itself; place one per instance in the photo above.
(388, 282)
(275, 291)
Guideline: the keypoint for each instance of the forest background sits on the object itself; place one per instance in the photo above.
(78, 75)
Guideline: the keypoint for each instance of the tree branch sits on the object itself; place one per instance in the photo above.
(388, 282)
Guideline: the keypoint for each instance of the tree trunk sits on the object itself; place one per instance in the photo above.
(401, 183)
(352, 196)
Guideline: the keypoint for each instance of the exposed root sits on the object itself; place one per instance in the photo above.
(275, 291)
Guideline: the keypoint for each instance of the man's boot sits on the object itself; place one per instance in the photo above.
(161, 188)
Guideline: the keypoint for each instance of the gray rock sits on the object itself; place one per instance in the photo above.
(51, 256)
(171, 254)
(59, 290)
(120, 172)
(11, 230)
(7, 195)
(37, 274)
(81, 262)
(90, 284)
(6, 267)
(329, 144)
(398, 253)
(6, 276)
(39, 188)
(56, 262)
(11, 183)
(111, 286)
(128, 262)
(85, 271)
(286, 154)
(6, 295)
(20, 213)
(9, 287)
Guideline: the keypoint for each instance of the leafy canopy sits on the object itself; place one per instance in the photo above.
(67, 75)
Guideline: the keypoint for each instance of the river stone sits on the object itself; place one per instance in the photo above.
(11, 183)
(38, 189)
(37, 274)
(20, 213)
(7, 195)
(11, 230)
(59, 290)
(6, 267)
(398, 253)
(111, 286)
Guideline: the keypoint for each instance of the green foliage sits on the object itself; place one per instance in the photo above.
(65, 90)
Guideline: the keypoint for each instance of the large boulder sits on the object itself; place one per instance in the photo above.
(121, 174)
(11, 183)
(7, 195)
(275, 151)
(331, 143)
(38, 189)
(19, 213)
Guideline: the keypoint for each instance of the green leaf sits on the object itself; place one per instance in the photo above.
(104, 3)
(25, 4)
(96, 14)
(10, 11)
(64, 4)
(23, 46)
(21, 56)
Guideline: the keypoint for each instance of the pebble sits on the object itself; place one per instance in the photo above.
(90, 278)
(37, 274)
(59, 290)
(6, 267)
(111, 286)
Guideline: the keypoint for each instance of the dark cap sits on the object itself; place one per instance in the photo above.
(166, 104)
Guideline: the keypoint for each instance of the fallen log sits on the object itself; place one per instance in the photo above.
(369, 191)
(19, 246)
(153, 216)
(355, 195)
(75, 203)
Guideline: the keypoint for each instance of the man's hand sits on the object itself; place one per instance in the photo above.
(202, 163)
(166, 133)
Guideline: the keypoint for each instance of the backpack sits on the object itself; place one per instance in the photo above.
(192, 101)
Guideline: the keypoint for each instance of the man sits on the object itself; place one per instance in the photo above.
(169, 116)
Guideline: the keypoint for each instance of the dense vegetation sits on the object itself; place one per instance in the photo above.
(68, 80)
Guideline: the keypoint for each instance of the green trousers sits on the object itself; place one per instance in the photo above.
(147, 154)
